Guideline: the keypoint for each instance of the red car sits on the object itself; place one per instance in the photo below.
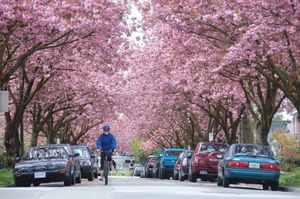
(204, 162)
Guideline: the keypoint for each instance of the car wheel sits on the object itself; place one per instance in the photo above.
(68, 180)
(265, 186)
(78, 179)
(36, 184)
(226, 181)
(180, 176)
(91, 176)
(219, 181)
(74, 177)
(162, 174)
(17, 184)
(175, 176)
(96, 174)
(275, 186)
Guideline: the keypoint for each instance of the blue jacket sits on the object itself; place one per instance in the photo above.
(106, 142)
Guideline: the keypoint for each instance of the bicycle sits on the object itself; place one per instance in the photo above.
(106, 169)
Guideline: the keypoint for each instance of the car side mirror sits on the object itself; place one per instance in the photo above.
(76, 154)
(219, 156)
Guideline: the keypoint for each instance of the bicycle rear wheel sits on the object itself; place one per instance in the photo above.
(105, 172)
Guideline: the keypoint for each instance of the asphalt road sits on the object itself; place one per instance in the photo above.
(137, 188)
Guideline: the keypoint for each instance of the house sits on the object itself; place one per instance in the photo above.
(295, 123)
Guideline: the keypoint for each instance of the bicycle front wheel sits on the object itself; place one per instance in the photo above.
(105, 172)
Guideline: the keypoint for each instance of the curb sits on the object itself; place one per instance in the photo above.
(288, 189)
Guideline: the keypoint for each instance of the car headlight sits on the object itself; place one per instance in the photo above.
(87, 163)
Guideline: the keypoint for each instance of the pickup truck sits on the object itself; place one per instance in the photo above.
(167, 162)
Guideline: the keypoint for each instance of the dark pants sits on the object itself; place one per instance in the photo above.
(103, 156)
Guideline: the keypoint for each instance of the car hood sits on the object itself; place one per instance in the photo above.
(39, 165)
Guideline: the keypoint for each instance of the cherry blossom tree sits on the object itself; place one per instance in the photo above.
(42, 38)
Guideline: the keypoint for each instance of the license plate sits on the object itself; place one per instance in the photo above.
(39, 174)
(204, 172)
(254, 165)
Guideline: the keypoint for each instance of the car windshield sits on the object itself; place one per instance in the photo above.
(45, 153)
(82, 152)
(208, 148)
(172, 153)
(254, 150)
(154, 159)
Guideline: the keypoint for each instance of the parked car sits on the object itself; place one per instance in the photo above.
(143, 171)
(249, 163)
(204, 162)
(88, 163)
(151, 166)
(44, 164)
(167, 162)
(138, 170)
(181, 167)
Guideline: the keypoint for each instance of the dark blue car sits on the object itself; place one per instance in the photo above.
(249, 163)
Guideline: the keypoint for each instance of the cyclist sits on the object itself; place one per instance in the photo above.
(106, 144)
(131, 168)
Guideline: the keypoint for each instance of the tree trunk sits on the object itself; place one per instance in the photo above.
(34, 138)
(246, 134)
(11, 140)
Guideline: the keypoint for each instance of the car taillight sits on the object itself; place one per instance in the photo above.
(197, 157)
(237, 164)
(151, 165)
(270, 166)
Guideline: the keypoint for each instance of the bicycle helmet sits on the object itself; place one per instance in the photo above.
(106, 127)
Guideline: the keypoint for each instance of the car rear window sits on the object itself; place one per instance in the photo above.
(254, 150)
(45, 153)
(82, 152)
(208, 148)
(172, 153)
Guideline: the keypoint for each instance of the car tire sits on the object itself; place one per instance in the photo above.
(175, 176)
(162, 174)
(275, 186)
(68, 180)
(78, 179)
(180, 176)
(96, 174)
(18, 184)
(265, 186)
(219, 181)
(226, 181)
(74, 177)
(91, 176)
(36, 184)
(192, 177)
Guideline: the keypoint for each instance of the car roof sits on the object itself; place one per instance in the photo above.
(175, 149)
(216, 143)
(79, 146)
